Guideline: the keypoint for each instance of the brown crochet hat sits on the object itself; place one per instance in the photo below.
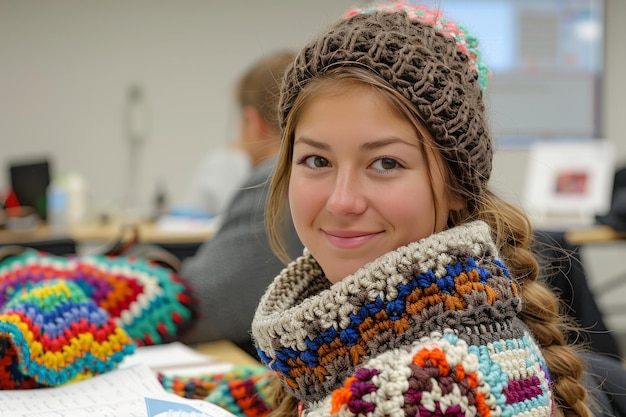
(431, 61)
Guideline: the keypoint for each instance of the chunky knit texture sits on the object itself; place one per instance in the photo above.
(243, 391)
(430, 61)
(63, 319)
(52, 333)
(430, 327)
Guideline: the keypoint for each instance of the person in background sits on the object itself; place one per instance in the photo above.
(229, 272)
(211, 191)
(417, 293)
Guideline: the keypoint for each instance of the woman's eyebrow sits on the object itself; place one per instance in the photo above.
(368, 146)
(312, 143)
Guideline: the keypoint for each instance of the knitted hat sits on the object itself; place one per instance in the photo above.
(431, 61)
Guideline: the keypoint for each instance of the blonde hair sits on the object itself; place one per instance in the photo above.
(511, 228)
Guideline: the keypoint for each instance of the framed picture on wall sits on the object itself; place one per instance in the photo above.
(569, 181)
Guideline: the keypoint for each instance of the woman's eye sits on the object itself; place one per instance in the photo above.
(316, 162)
(385, 164)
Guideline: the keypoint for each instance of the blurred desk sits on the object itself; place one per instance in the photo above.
(595, 234)
(226, 351)
(148, 232)
(181, 242)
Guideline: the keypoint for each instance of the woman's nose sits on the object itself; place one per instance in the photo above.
(346, 196)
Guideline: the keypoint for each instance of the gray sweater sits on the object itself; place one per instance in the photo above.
(230, 272)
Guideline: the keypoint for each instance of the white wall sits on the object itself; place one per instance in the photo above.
(65, 67)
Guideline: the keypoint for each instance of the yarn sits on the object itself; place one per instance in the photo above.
(464, 39)
(243, 391)
(52, 333)
(430, 328)
(68, 318)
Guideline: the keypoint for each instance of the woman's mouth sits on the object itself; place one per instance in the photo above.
(349, 239)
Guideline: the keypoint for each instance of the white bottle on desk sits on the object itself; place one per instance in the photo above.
(57, 204)
(76, 199)
(66, 202)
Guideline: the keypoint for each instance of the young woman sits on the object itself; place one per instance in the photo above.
(416, 293)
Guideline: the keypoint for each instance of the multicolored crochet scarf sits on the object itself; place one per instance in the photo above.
(67, 318)
(244, 391)
(430, 328)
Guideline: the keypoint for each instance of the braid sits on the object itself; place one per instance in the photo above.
(542, 311)
(282, 404)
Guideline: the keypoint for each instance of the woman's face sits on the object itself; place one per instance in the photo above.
(359, 184)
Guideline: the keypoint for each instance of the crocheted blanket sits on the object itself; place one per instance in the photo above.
(67, 318)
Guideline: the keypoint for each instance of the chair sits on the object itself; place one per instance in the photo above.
(605, 379)
(565, 272)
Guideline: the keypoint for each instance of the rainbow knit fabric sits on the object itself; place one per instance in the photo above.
(244, 390)
(428, 329)
(67, 318)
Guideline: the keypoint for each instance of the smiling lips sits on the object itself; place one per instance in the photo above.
(349, 239)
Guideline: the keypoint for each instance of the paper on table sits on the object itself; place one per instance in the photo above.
(132, 391)
(187, 225)
(176, 359)
(117, 393)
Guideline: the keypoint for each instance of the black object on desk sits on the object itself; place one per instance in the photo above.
(29, 182)
(616, 217)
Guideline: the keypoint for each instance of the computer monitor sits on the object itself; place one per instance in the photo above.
(29, 181)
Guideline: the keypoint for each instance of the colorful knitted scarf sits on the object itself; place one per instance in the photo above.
(64, 319)
(243, 391)
(427, 329)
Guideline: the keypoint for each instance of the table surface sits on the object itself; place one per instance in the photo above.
(226, 351)
(595, 234)
(148, 232)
